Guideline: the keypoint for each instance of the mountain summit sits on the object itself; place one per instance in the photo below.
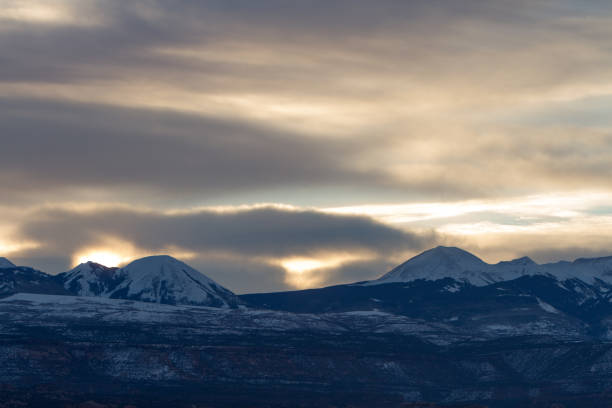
(5, 263)
(455, 263)
(163, 279)
(90, 279)
(157, 279)
(444, 262)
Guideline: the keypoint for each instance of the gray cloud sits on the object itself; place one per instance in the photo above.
(373, 60)
(569, 253)
(267, 231)
(53, 145)
(234, 247)
(437, 32)
(243, 275)
(358, 271)
(542, 248)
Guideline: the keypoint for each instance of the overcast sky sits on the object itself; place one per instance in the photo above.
(287, 144)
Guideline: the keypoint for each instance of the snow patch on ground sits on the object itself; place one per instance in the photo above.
(547, 307)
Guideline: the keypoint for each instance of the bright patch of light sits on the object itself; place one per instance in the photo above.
(34, 11)
(561, 205)
(7, 247)
(66, 12)
(109, 251)
(403, 213)
(301, 265)
(587, 225)
(310, 272)
(303, 272)
(105, 258)
(112, 252)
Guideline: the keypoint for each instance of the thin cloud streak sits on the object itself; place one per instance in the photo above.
(561, 205)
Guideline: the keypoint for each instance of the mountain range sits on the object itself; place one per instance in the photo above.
(442, 328)
(157, 279)
(163, 279)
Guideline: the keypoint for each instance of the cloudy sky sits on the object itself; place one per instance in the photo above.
(287, 144)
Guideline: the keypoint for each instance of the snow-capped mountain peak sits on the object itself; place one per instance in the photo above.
(438, 263)
(89, 279)
(5, 263)
(519, 261)
(158, 279)
(164, 267)
(447, 257)
(92, 268)
(455, 263)
(586, 269)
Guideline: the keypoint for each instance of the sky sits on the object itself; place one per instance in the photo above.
(279, 145)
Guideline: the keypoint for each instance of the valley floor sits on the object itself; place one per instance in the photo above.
(62, 351)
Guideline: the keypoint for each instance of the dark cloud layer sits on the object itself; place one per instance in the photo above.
(49, 145)
(243, 275)
(358, 271)
(266, 231)
(391, 54)
(241, 243)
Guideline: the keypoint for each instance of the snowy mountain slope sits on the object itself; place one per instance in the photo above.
(589, 270)
(527, 304)
(157, 279)
(18, 279)
(163, 279)
(441, 339)
(229, 321)
(455, 263)
(244, 321)
(449, 284)
(5, 263)
(444, 262)
(89, 279)
(68, 348)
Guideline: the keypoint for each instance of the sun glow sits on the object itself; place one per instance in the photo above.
(110, 251)
(304, 273)
(302, 265)
(105, 258)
